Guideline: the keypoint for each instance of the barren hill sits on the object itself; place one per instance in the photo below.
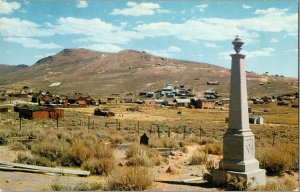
(102, 74)
(4, 69)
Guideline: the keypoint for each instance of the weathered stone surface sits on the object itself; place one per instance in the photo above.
(238, 141)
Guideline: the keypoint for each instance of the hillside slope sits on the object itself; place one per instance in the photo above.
(103, 74)
(5, 69)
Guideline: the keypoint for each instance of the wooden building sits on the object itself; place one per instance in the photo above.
(182, 102)
(98, 112)
(204, 103)
(38, 112)
(3, 109)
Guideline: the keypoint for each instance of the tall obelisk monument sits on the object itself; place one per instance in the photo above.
(238, 141)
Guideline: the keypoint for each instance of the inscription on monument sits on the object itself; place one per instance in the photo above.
(249, 145)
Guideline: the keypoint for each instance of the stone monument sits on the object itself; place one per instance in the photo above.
(238, 141)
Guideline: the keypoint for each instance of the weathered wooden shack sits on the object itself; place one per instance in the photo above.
(38, 112)
(204, 103)
(19, 106)
(99, 112)
(3, 109)
(2, 99)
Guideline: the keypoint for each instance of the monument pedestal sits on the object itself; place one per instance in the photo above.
(238, 141)
(259, 175)
(239, 161)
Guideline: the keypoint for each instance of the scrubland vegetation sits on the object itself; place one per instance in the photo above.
(74, 145)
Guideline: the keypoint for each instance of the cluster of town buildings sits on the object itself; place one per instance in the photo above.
(49, 105)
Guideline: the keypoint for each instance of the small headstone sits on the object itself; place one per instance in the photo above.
(144, 139)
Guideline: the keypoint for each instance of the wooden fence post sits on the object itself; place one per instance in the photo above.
(20, 123)
(57, 122)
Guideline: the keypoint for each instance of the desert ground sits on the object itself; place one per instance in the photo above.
(176, 158)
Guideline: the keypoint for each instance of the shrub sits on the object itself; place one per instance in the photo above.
(100, 150)
(277, 160)
(50, 150)
(205, 140)
(82, 186)
(214, 148)
(234, 183)
(76, 155)
(210, 165)
(85, 186)
(286, 184)
(130, 179)
(185, 149)
(198, 158)
(164, 143)
(102, 166)
(26, 158)
(140, 155)
(18, 146)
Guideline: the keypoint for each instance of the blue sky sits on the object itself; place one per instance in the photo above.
(189, 30)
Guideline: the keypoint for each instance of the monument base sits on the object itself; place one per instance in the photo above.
(220, 176)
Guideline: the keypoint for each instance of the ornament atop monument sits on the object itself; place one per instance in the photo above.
(237, 44)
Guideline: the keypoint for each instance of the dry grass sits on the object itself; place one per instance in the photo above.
(130, 179)
(278, 159)
(214, 148)
(283, 184)
(143, 156)
(198, 158)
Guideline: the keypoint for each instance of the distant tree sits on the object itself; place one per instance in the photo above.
(267, 73)
(25, 87)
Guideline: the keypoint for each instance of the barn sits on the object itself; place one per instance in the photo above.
(38, 112)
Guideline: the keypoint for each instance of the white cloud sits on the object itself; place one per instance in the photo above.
(264, 52)
(71, 25)
(138, 9)
(211, 45)
(162, 53)
(82, 4)
(21, 28)
(273, 40)
(195, 30)
(221, 29)
(44, 55)
(31, 43)
(104, 47)
(292, 51)
(94, 30)
(202, 7)
(246, 6)
(8, 7)
(173, 49)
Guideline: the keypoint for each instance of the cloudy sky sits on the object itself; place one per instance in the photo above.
(188, 30)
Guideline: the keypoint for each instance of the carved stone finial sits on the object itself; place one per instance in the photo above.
(237, 44)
